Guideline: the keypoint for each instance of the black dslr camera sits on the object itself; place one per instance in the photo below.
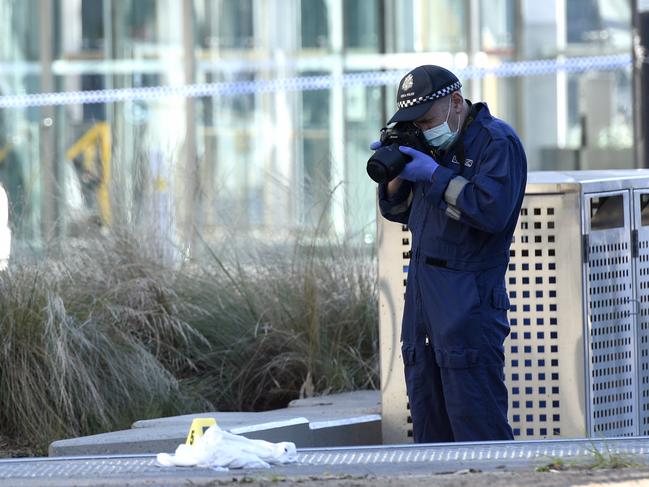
(387, 162)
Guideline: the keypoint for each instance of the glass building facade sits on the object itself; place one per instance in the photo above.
(274, 158)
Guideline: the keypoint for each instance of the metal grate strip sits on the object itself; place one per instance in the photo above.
(463, 452)
(519, 452)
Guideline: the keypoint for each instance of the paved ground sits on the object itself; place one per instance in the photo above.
(492, 463)
(608, 478)
(335, 477)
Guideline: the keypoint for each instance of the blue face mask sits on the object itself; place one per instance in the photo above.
(441, 136)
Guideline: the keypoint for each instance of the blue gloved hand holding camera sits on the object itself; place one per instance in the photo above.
(420, 168)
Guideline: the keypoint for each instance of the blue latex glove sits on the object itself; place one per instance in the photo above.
(421, 168)
(375, 145)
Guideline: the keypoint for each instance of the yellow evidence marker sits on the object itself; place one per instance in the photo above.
(198, 428)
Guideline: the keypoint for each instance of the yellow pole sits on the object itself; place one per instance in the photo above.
(87, 145)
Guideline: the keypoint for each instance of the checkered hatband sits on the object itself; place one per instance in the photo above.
(434, 96)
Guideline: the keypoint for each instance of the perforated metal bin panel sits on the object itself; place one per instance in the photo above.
(640, 241)
(575, 365)
(610, 323)
(544, 352)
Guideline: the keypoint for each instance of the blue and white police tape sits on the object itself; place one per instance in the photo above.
(306, 83)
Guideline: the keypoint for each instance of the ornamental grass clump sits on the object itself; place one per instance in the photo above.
(284, 322)
(101, 332)
(89, 342)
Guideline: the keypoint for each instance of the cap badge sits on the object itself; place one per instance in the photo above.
(407, 83)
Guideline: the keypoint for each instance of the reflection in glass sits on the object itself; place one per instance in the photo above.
(313, 25)
(316, 158)
(361, 18)
(270, 157)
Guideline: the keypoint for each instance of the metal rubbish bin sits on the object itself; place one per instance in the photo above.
(577, 358)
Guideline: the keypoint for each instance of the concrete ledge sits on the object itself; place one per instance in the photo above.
(322, 408)
(329, 421)
(165, 439)
(360, 431)
(365, 430)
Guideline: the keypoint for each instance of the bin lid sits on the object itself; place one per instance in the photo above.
(586, 181)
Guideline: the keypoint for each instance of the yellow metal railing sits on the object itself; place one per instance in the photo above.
(96, 139)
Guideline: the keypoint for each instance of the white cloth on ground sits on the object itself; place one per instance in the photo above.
(218, 448)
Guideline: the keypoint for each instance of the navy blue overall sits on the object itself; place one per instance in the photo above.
(455, 315)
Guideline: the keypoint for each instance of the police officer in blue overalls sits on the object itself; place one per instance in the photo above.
(461, 201)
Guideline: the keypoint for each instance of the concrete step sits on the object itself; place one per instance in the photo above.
(348, 419)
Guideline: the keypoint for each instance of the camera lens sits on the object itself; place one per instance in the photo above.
(377, 170)
(386, 163)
